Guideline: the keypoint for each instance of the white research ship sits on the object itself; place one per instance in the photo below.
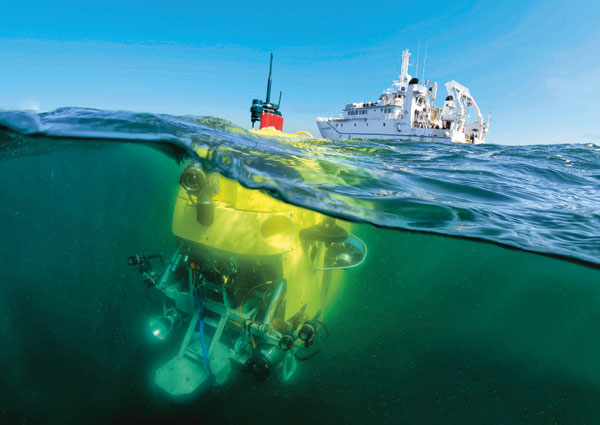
(406, 112)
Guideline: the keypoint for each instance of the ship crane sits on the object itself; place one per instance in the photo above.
(463, 99)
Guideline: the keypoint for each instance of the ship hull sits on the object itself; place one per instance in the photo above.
(348, 129)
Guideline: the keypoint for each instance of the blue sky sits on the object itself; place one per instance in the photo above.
(534, 65)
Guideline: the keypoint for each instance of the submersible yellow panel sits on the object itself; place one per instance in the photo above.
(249, 222)
(273, 132)
(247, 233)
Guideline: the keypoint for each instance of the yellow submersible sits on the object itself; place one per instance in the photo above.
(249, 281)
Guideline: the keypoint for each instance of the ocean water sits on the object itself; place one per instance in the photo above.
(478, 301)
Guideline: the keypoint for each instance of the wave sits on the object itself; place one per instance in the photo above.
(540, 198)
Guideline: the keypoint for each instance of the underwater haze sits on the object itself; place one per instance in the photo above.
(478, 301)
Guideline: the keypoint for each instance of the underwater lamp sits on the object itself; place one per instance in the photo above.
(307, 331)
(160, 327)
(286, 342)
(193, 178)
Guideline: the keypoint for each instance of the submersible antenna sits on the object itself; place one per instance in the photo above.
(267, 113)
(269, 81)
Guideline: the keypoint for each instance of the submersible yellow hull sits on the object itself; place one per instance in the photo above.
(250, 223)
(250, 280)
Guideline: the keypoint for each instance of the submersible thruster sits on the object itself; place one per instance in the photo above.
(248, 283)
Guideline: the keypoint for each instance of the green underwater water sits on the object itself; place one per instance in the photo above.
(430, 329)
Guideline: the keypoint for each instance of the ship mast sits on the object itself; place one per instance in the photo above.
(404, 70)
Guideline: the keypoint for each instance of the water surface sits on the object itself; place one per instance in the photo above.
(431, 329)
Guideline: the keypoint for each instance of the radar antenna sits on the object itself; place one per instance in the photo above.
(424, 63)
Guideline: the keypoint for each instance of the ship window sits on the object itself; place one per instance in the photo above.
(354, 124)
(384, 124)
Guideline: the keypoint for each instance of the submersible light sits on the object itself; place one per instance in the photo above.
(193, 178)
(160, 327)
(286, 342)
(307, 331)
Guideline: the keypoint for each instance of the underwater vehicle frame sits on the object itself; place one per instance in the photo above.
(249, 282)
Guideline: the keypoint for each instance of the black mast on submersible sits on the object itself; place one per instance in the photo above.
(260, 109)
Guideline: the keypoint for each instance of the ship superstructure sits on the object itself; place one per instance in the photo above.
(407, 112)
